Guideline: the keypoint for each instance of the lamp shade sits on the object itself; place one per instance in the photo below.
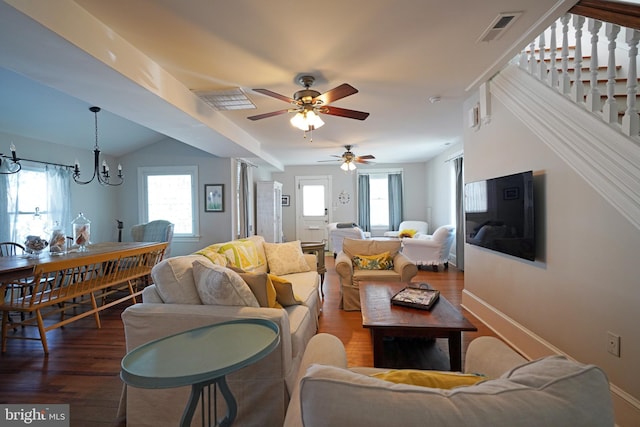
(306, 120)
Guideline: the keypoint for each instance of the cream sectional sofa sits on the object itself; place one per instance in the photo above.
(552, 391)
(173, 305)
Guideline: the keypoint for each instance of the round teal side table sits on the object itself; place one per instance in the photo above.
(201, 357)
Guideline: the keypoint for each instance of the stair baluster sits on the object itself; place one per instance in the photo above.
(565, 81)
(630, 120)
(577, 90)
(552, 77)
(594, 103)
(542, 65)
(610, 108)
(532, 59)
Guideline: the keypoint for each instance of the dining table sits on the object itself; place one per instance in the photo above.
(52, 283)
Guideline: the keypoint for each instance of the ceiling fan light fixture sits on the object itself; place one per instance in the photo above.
(306, 120)
(348, 166)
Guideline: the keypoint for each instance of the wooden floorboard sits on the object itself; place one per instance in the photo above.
(83, 366)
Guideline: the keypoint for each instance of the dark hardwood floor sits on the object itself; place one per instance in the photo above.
(83, 366)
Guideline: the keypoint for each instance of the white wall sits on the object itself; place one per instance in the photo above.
(414, 194)
(98, 203)
(441, 189)
(584, 281)
(214, 226)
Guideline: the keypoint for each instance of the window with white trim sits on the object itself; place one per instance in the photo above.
(170, 193)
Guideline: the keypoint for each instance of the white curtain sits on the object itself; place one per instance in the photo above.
(59, 197)
(58, 203)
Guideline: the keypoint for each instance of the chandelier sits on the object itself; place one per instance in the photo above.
(101, 175)
(14, 166)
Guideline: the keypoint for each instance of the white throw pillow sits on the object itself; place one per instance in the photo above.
(218, 285)
(173, 278)
(285, 258)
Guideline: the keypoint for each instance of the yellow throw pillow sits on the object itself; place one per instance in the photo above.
(262, 288)
(284, 291)
(433, 379)
(381, 261)
(407, 233)
(285, 258)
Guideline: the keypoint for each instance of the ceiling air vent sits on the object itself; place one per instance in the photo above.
(498, 26)
(226, 99)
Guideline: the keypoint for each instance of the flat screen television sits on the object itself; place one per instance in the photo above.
(499, 215)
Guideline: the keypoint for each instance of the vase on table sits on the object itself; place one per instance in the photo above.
(81, 232)
(58, 241)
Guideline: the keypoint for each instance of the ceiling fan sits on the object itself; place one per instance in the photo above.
(308, 104)
(349, 159)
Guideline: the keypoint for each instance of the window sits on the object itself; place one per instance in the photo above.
(169, 193)
(32, 187)
(313, 198)
(35, 189)
(379, 200)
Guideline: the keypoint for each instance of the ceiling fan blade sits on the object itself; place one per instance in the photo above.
(275, 95)
(336, 93)
(343, 112)
(265, 115)
(364, 162)
(367, 157)
(334, 160)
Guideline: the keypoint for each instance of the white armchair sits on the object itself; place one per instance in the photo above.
(339, 230)
(430, 250)
(421, 228)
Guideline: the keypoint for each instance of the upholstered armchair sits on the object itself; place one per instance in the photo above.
(351, 276)
(421, 227)
(154, 231)
(339, 230)
(430, 250)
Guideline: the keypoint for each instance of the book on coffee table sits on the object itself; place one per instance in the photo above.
(416, 297)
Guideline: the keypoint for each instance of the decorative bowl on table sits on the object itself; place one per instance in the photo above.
(35, 245)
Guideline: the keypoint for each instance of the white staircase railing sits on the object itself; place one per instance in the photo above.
(619, 47)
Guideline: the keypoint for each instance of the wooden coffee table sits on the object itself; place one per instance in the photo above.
(386, 320)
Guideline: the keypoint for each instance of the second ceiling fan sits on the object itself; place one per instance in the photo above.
(349, 159)
(308, 104)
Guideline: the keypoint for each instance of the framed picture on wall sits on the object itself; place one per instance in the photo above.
(214, 197)
(285, 200)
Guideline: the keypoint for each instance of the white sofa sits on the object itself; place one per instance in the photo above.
(551, 391)
(172, 305)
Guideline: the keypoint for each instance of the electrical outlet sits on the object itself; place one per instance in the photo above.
(613, 344)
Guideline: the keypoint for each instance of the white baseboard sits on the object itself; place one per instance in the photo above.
(532, 346)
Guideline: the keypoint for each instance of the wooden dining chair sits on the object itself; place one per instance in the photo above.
(11, 249)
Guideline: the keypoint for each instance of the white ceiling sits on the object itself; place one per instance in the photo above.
(398, 54)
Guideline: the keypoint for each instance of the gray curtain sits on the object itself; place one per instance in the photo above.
(458, 164)
(364, 213)
(395, 200)
(243, 201)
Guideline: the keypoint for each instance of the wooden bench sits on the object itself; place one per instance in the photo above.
(57, 284)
